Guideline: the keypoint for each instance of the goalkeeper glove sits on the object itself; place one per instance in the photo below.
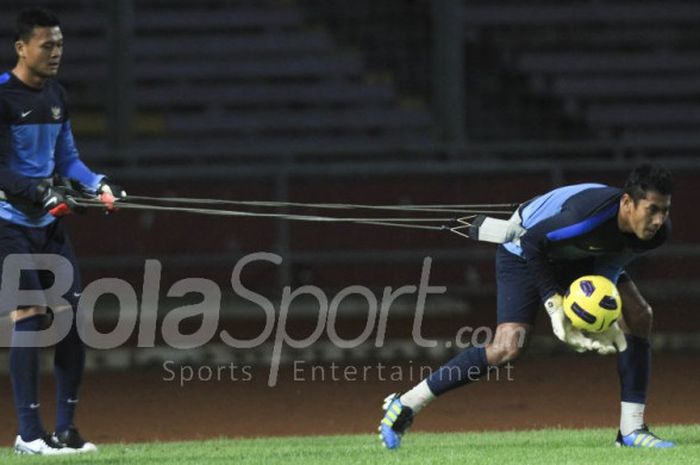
(562, 327)
(609, 341)
(56, 200)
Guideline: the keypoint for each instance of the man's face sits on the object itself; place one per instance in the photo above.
(42, 53)
(644, 218)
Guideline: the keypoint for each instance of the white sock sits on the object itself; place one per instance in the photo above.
(631, 417)
(418, 397)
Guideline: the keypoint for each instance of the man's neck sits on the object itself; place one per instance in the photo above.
(28, 78)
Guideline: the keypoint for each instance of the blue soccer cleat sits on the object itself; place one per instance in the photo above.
(397, 419)
(642, 438)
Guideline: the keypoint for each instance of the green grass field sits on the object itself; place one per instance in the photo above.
(585, 447)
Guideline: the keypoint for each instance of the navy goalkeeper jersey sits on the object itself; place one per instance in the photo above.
(36, 142)
(575, 227)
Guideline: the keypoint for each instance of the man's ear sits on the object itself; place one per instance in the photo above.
(626, 199)
(19, 48)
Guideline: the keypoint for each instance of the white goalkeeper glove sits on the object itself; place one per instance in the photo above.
(562, 328)
(610, 341)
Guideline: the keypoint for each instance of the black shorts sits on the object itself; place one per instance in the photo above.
(51, 239)
(518, 299)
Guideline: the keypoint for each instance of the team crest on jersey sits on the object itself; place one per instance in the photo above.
(56, 113)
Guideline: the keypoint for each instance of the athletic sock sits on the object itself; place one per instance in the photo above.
(631, 417)
(24, 373)
(469, 365)
(69, 362)
(634, 368)
(418, 397)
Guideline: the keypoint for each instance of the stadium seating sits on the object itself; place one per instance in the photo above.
(271, 53)
(224, 80)
(624, 72)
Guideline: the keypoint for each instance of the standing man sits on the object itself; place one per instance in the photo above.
(571, 231)
(36, 144)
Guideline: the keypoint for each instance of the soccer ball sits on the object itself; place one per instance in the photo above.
(592, 303)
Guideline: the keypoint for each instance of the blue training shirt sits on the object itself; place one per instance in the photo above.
(577, 226)
(36, 142)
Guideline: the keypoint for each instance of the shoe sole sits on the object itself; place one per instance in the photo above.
(20, 451)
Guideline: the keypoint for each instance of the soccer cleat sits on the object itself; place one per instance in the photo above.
(71, 439)
(642, 437)
(397, 419)
(41, 446)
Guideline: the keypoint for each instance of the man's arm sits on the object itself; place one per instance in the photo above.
(68, 162)
(66, 155)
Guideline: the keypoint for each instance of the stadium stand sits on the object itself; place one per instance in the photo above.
(224, 81)
(249, 77)
(627, 74)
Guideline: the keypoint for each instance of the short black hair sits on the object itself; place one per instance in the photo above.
(648, 177)
(29, 18)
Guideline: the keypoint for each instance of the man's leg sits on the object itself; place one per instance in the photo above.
(69, 353)
(27, 320)
(69, 363)
(24, 372)
(517, 306)
(470, 365)
(634, 366)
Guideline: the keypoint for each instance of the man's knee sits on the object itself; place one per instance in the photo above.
(24, 313)
(508, 343)
(640, 323)
(637, 315)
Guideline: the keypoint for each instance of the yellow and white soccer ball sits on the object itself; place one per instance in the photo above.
(592, 303)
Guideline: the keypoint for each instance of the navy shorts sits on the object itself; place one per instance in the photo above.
(518, 298)
(51, 239)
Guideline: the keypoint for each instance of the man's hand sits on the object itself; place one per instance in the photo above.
(55, 200)
(609, 341)
(109, 192)
(562, 328)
